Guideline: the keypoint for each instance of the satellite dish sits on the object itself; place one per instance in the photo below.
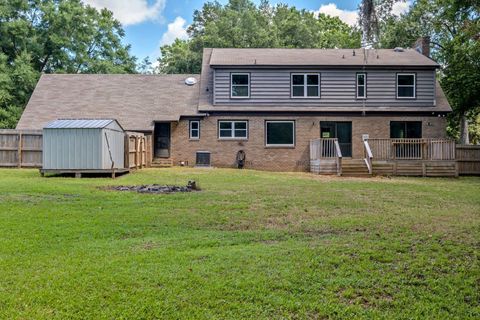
(190, 81)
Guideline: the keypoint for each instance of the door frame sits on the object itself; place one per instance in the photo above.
(334, 124)
(155, 133)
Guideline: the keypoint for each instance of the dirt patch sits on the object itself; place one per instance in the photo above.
(157, 189)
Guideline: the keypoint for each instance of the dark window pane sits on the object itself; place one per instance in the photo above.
(240, 79)
(280, 133)
(298, 79)
(298, 91)
(225, 133)
(240, 125)
(406, 80)
(405, 92)
(194, 125)
(194, 133)
(360, 79)
(312, 79)
(397, 130)
(361, 91)
(239, 91)
(414, 129)
(241, 133)
(312, 91)
(225, 125)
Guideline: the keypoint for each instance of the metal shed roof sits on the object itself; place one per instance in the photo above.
(79, 124)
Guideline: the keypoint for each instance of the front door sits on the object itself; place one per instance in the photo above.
(162, 140)
(342, 130)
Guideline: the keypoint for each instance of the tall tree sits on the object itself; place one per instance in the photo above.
(242, 24)
(46, 36)
(453, 27)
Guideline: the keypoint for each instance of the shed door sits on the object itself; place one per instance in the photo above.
(162, 140)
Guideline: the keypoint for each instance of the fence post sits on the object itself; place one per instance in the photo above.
(19, 150)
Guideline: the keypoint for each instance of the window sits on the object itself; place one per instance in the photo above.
(195, 129)
(405, 129)
(280, 133)
(405, 85)
(361, 85)
(240, 85)
(203, 159)
(305, 85)
(232, 129)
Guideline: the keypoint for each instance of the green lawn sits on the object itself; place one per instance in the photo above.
(251, 245)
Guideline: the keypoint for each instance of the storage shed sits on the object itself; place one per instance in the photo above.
(83, 145)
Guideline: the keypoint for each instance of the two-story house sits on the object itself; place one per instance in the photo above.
(264, 105)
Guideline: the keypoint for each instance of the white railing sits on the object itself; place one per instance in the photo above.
(412, 149)
(368, 156)
(326, 148)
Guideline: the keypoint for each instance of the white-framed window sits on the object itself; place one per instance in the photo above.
(240, 85)
(361, 85)
(305, 85)
(233, 129)
(194, 129)
(406, 83)
(280, 133)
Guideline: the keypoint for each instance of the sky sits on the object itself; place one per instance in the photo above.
(149, 24)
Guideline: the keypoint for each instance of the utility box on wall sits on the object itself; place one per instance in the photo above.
(83, 144)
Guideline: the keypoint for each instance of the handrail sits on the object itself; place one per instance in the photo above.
(412, 149)
(368, 156)
(338, 153)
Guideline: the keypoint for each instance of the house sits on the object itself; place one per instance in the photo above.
(283, 108)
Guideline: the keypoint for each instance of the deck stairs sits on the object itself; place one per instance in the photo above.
(162, 163)
(355, 168)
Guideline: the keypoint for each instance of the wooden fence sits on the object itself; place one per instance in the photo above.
(468, 159)
(21, 149)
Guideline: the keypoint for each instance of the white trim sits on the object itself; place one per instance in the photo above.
(232, 129)
(279, 145)
(191, 130)
(305, 85)
(364, 85)
(239, 85)
(408, 86)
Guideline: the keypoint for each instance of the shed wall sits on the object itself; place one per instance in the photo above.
(116, 142)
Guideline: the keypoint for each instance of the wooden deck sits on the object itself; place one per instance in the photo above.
(390, 157)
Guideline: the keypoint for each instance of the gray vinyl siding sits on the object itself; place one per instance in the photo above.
(337, 88)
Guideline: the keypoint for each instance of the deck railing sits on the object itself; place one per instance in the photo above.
(326, 148)
(368, 156)
(412, 149)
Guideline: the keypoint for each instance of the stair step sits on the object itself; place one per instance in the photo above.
(162, 163)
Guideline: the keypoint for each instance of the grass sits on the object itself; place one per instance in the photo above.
(251, 245)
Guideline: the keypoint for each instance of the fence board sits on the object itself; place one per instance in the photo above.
(468, 159)
(20, 148)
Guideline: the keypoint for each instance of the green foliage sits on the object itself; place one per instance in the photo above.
(250, 245)
(62, 36)
(242, 24)
(454, 28)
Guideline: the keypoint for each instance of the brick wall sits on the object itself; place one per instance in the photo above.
(258, 156)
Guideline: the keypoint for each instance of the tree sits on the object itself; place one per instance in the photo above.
(453, 27)
(46, 36)
(242, 24)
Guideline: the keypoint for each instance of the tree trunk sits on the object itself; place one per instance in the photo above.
(464, 137)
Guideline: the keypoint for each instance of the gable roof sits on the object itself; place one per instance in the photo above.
(319, 57)
(135, 101)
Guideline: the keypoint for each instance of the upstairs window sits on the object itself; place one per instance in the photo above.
(406, 85)
(305, 85)
(232, 129)
(361, 85)
(240, 85)
(195, 129)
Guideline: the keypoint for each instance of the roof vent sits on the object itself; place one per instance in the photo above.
(190, 81)
(398, 49)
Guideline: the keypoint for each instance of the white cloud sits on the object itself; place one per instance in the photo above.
(176, 29)
(347, 16)
(130, 12)
(350, 17)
